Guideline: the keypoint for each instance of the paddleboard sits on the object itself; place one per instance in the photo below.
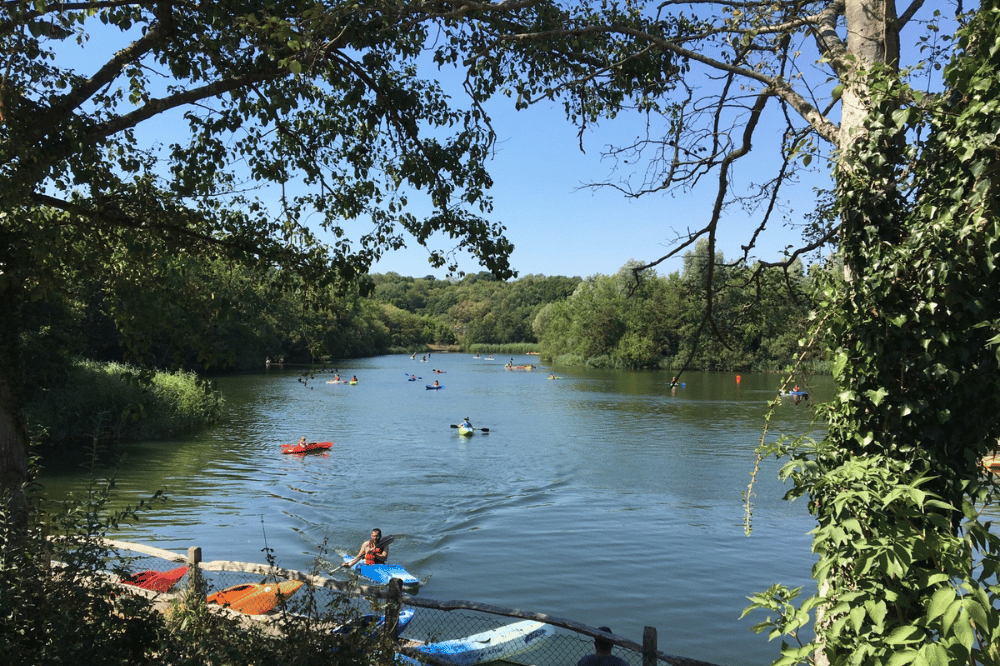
(157, 581)
(306, 448)
(498, 644)
(383, 573)
(255, 598)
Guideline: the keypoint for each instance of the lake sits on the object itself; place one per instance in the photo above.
(605, 497)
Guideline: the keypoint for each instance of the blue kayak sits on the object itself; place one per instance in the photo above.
(383, 573)
(500, 644)
(431, 387)
(371, 624)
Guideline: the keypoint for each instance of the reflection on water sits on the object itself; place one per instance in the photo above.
(605, 497)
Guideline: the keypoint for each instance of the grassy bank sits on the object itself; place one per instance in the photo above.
(113, 401)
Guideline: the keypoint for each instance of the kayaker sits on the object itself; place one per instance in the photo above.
(602, 653)
(436, 383)
(354, 378)
(302, 441)
(466, 424)
(371, 552)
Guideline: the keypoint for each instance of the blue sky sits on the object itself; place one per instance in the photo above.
(559, 228)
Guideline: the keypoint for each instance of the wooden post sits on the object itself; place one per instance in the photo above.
(393, 601)
(649, 646)
(390, 623)
(195, 582)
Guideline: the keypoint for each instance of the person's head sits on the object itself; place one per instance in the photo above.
(602, 644)
(376, 535)
(466, 419)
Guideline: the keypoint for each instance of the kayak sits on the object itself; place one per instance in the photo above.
(466, 431)
(432, 387)
(383, 573)
(991, 461)
(255, 598)
(354, 382)
(306, 448)
(371, 623)
(498, 644)
(157, 581)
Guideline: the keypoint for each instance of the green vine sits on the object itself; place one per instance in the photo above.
(907, 564)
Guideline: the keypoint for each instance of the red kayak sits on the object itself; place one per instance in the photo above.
(306, 448)
(158, 581)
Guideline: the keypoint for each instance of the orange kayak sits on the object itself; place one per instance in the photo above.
(255, 598)
(306, 448)
(991, 461)
(158, 581)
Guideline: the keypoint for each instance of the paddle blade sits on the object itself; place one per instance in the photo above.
(453, 425)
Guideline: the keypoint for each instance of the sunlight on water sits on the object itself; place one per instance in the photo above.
(603, 497)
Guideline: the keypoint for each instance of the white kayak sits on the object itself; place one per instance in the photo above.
(501, 643)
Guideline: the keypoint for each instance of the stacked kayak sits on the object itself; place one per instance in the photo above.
(157, 581)
(500, 644)
(255, 598)
(306, 448)
(371, 624)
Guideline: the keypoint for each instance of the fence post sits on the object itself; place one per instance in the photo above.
(390, 622)
(649, 646)
(195, 583)
(393, 601)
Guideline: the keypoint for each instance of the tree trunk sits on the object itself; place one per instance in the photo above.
(13, 436)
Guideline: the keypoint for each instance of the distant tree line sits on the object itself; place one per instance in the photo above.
(644, 320)
(216, 315)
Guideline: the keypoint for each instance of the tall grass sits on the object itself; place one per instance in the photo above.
(506, 349)
(114, 401)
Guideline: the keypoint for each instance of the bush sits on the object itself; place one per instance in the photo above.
(74, 613)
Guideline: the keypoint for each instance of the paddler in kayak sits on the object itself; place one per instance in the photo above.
(466, 424)
(371, 552)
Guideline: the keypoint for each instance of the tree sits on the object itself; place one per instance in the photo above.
(320, 102)
(906, 567)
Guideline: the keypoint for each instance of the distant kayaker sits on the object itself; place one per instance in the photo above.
(354, 378)
(370, 551)
(602, 653)
(466, 424)
(302, 441)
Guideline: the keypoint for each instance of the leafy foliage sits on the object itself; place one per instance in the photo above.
(907, 561)
(648, 321)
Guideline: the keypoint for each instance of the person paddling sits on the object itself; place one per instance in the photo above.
(371, 551)
(466, 424)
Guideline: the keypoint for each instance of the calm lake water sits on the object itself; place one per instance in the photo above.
(604, 497)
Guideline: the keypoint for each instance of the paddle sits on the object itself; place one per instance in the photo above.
(480, 429)
(384, 541)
